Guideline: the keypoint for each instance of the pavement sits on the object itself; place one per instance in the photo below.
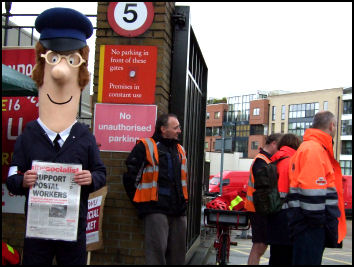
(205, 253)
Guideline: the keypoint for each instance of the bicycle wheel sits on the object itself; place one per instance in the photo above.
(223, 252)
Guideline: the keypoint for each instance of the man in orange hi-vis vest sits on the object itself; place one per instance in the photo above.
(156, 183)
(258, 221)
(316, 207)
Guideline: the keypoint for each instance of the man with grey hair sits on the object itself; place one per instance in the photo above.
(316, 207)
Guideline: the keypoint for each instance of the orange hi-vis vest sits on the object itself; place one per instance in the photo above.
(249, 206)
(147, 189)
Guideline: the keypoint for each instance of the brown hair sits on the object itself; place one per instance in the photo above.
(290, 140)
(38, 71)
(273, 137)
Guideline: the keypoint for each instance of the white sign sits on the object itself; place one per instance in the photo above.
(130, 19)
(12, 203)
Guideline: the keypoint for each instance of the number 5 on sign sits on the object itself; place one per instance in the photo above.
(130, 19)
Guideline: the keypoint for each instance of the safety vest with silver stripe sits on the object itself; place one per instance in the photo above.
(147, 189)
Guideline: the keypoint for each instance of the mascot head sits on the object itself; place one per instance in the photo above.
(61, 65)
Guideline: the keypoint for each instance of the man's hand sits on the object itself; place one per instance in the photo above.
(29, 178)
(83, 177)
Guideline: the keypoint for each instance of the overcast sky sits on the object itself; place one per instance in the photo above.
(258, 46)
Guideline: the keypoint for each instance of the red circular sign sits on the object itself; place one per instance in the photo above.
(130, 19)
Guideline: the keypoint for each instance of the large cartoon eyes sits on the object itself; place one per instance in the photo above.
(53, 58)
(75, 60)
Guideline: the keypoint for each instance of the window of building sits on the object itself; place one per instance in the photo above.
(208, 131)
(346, 166)
(256, 112)
(307, 110)
(298, 128)
(241, 105)
(242, 146)
(347, 106)
(282, 127)
(257, 129)
(217, 131)
(217, 115)
(346, 147)
(242, 130)
(346, 127)
(274, 108)
(254, 145)
(207, 115)
(229, 130)
(325, 105)
(206, 145)
(272, 128)
(283, 112)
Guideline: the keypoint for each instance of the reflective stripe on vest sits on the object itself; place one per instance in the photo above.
(249, 206)
(184, 170)
(235, 202)
(147, 188)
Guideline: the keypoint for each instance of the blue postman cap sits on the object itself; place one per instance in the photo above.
(63, 29)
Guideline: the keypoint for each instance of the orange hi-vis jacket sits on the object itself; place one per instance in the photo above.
(147, 189)
(249, 206)
(316, 191)
(283, 171)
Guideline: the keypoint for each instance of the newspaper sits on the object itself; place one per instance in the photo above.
(54, 201)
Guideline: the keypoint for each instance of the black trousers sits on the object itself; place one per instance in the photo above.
(281, 255)
(41, 252)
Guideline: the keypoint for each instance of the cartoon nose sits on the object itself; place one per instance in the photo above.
(61, 72)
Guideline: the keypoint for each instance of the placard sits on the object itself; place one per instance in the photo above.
(96, 201)
(127, 74)
(118, 127)
(16, 112)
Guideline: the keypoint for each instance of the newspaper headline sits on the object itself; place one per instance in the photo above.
(54, 201)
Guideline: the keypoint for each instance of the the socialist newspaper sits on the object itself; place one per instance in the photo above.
(54, 201)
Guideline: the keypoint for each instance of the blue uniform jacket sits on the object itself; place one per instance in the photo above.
(80, 147)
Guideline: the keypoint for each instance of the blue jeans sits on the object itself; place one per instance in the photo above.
(309, 246)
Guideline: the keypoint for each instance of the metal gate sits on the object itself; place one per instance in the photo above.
(188, 101)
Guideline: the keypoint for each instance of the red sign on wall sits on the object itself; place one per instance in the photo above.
(127, 74)
(20, 59)
(118, 127)
(16, 112)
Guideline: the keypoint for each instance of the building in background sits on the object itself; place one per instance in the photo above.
(248, 119)
(233, 118)
(215, 114)
(345, 158)
(294, 112)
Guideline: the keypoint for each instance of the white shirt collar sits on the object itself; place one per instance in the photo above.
(51, 134)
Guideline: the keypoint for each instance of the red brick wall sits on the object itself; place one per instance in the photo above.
(212, 122)
(255, 138)
(263, 106)
(122, 230)
(212, 109)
